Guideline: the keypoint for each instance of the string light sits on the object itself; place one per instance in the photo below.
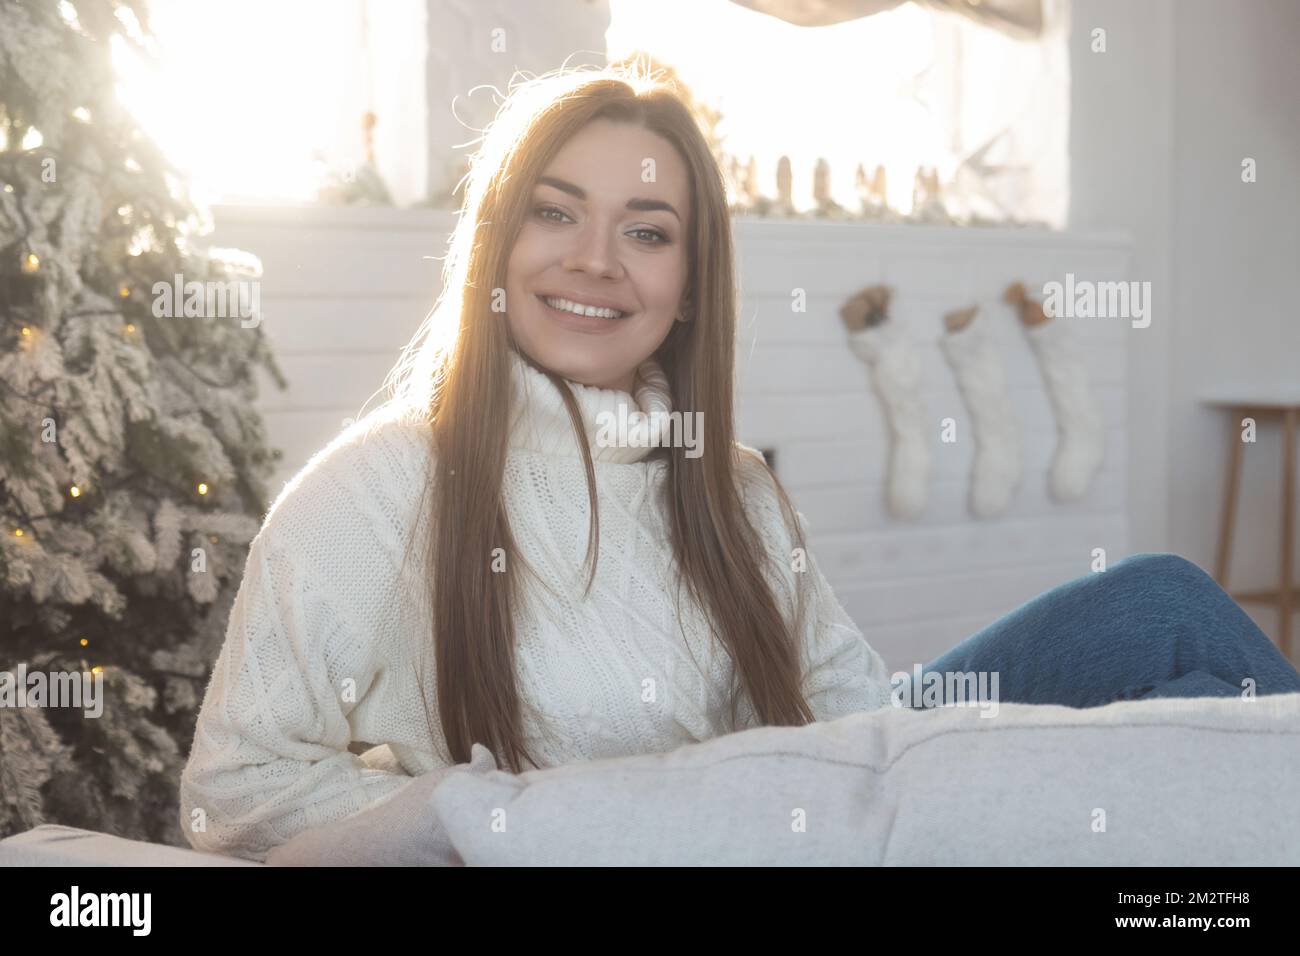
(97, 669)
(84, 642)
(27, 332)
(203, 488)
(18, 532)
(75, 491)
(31, 262)
(129, 327)
(124, 291)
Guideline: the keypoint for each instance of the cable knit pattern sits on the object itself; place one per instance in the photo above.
(330, 647)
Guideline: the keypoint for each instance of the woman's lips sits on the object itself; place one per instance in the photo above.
(591, 324)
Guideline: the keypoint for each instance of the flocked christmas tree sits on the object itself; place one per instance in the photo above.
(133, 466)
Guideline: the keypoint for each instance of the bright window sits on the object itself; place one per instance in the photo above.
(906, 88)
(255, 100)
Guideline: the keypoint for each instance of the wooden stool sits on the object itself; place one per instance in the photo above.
(1261, 404)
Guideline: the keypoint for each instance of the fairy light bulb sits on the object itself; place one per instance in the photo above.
(31, 263)
(84, 642)
(203, 488)
(124, 291)
(74, 491)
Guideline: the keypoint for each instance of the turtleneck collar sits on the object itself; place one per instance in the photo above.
(540, 421)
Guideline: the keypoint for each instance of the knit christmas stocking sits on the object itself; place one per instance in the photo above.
(996, 469)
(1081, 437)
(896, 378)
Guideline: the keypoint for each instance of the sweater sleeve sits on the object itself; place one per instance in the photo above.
(313, 633)
(270, 756)
(841, 673)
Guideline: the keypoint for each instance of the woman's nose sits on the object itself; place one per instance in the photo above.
(594, 252)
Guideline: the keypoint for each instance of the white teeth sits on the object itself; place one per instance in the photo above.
(578, 309)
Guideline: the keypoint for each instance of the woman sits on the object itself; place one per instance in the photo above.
(419, 585)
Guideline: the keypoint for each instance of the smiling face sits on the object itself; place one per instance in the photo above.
(595, 234)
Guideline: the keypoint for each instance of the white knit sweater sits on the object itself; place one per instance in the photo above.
(330, 642)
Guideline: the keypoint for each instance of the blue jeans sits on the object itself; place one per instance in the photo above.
(1152, 625)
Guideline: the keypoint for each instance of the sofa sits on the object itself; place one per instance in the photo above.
(54, 845)
(1164, 782)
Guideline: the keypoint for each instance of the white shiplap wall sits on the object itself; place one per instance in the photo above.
(344, 289)
(918, 587)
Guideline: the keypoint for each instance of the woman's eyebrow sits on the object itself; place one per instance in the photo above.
(577, 192)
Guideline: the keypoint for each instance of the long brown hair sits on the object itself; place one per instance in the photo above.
(455, 375)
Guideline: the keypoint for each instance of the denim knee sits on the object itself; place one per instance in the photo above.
(1163, 564)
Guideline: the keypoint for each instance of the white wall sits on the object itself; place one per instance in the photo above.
(1120, 151)
(1236, 253)
(342, 292)
(1160, 124)
(918, 587)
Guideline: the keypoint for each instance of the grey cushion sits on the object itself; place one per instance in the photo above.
(1169, 782)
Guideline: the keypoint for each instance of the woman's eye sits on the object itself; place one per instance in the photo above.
(543, 210)
(659, 237)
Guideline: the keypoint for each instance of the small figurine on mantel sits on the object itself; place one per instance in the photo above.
(749, 198)
(826, 207)
(927, 204)
(871, 194)
(747, 181)
(784, 205)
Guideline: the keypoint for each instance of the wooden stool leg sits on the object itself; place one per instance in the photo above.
(1288, 529)
(1228, 516)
